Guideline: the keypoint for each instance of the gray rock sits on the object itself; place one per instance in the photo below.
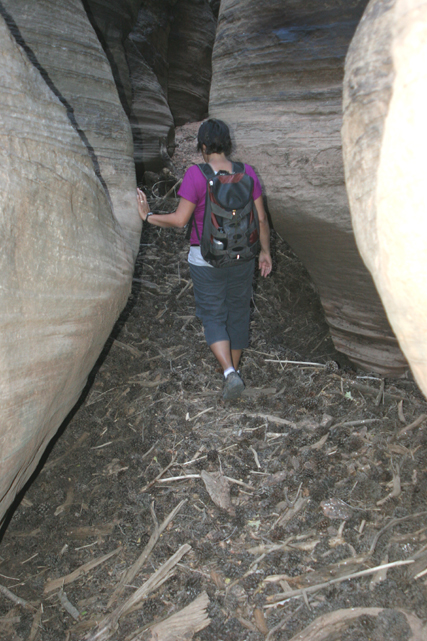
(277, 75)
(384, 141)
(69, 224)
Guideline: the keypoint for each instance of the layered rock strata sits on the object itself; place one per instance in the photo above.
(160, 53)
(385, 140)
(190, 60)
(277, 80)
(68, 221)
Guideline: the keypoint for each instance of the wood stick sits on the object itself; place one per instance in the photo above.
(107, 626)
(56, 584)
(271, 418)
(284, 596)
(159, 476)
(412, 426)
(270, 360)
(35, 626)
(131, 573)
(69, 607)
(16, 599)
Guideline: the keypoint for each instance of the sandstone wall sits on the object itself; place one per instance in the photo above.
(160, 53)
(385, 140)
(190, 52)
(277, 80)
(68, 220)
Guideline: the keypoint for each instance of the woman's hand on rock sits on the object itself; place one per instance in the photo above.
(143, 206)
(265, 263)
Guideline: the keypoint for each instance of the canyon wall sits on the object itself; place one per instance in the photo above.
(277, 81)
(385, 140)
(160, 54)
(69, 223)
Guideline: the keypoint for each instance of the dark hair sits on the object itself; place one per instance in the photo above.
(216, 136)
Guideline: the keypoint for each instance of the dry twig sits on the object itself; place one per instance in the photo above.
(16, 599)
(292, 594)
(182, 625)
(56, 584)
(109, 624)
(333, 623)
(131, 573)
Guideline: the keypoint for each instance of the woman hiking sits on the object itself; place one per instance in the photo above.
(222, 294)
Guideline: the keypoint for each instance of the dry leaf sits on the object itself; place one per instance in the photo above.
(218, 489)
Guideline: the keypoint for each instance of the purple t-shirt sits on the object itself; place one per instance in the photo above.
(193, 188)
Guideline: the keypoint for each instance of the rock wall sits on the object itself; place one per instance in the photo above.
(68, 220)
(190, 53)
(160, 53)
(277, 80)
(385, 140)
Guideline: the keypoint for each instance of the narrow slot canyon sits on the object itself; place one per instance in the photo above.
(136, 503)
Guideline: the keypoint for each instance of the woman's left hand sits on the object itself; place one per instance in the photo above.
(143, 206)
(265, 263)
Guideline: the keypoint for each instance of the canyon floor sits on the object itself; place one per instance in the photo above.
(161, 512)
(259, 508)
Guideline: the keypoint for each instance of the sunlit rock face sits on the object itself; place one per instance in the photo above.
(277, 80)
(384, 141)
(68, 219)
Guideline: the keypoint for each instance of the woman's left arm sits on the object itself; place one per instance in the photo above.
(265, 263)
(178, 218)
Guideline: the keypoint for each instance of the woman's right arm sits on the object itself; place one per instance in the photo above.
(178, 218)
(264, 262)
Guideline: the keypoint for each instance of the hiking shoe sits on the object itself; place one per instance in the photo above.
(233, 387)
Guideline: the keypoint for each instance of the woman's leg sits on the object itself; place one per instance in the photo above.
(223, 354)
(238, 301)
(209, 286)
(235, 357)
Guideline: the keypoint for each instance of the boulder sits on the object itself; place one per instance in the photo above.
(384, 141)
(277, 81)
(69, 223)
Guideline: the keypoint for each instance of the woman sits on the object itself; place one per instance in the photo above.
(222, 294)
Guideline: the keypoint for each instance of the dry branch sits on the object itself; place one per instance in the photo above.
(182, 625)
(271, 418)
(109, 624)
(292, 594)
(328, 625)
(35, 626)
(159, 476)
(413, 425)
(69, 607)
(16, 599)
(56, 584)
(131, 573)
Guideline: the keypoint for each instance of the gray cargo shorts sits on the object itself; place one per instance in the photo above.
(223, 297)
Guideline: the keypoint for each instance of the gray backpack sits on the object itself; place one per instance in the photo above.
(230, 225)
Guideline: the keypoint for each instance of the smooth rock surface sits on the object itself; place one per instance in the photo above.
(160, 53)
(277, 80)
(385, 141)
(191, 42)
(147, 55)
(69, 224)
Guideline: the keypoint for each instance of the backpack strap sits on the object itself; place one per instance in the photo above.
(206, 170)
(238, 168)
(208, 173)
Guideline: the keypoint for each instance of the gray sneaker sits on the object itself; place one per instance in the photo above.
(233, 387)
